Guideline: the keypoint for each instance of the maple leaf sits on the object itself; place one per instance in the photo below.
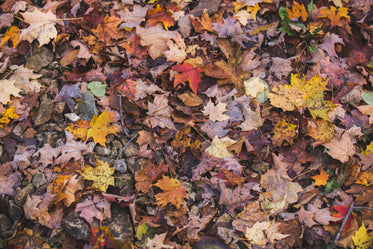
(365, 178)
(262, 232)
(320, 130)
(108, 29)
(42, 26)
(230, 28)
(64, 188)
(284, 131)
(321, 179)
(159, 112)
(342, 212)
(26, 79)
(79, 129)
(101, 175)
(249, 14)
(133, 18)
(218, 147)
(100, 127)
(159, 14)
(298, 10)
(157, 242)
(215, 112)
(340, 148)
(362, 239)
(334, 15)
(97, 208)
(286, 97)
(202, 24)
(187, 73)
(135, 48)
(173, 192)
(128, 89)
(176, 52)
(319, 107)
(143, 183)
(7, 88)
(13, 35)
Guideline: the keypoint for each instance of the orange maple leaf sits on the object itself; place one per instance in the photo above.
(321, 179)
(187, 73)
(298, 10)
(202, 24)
(100, 127)
(159, 14)
(108, 29)
(173, 192)
(334, 15)
(128, 89)
(79, 129)
(135, 48)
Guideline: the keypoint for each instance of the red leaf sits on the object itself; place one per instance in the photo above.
(187, 73)
(342, 211)
(128, 89)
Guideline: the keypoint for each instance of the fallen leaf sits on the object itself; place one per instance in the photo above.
(97, 208)
(108, 29)
(176, 52)
(215, 112)
(7, 88)
(12, 34)
(187, 72)
(159, 14)
(298, 10)
(321, 179)
(362, 239)
(263, 232)
(97, 88)
(218, 147)
(157, 242)
(42, 26)
(101, 127)
(284, 131)
(173, 193)
(101, 175)
(334, 15)
(365, 178)
(367, 110)
(340, 148)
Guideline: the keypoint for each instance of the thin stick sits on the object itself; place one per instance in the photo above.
(360, 207)
(124, 147)
(124, 129)
(343, 225)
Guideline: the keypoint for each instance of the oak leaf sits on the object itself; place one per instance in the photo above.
(187, 72)
(173, 192)
(321, 179)
(100, 127)
(101, 175)
(42, 27)
(7, 88)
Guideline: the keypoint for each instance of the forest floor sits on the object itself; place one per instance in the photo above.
(186, 124)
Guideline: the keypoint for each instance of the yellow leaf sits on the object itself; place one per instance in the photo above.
(79, 129)
(365, 178)
(286, 97)
(298, 10)
(7, 116)
(320, 130)
(321, 179)
(334, 15)
(284, 131)
(173, 192)
(249, 14)
(309, 87)
(319, 107)
(218, 147)
(101, 175)
(362, 239)
(100, 127)
(368, 150)
(13, 35)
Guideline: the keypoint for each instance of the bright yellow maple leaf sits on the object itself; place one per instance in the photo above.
(100, 127)
(173, 192)
(7, 116)
(284, 131)
(334, 15)
(362, 239)
(298, 10)
(365, 178)
(309, 87)
(321, 179)
(101, 175)
(319, 107)
(79, 129)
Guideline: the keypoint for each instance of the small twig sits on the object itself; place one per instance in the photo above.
(124, 147)
(124, 129)
(360, 207)
(343, 225)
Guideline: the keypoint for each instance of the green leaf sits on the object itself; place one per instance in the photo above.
(313, 48)
(97, 88)
(283, 13)
(310, 7)
(287, 30)
(142, 230)
(367, 97)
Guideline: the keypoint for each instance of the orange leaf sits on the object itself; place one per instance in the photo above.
(365, 178)
(135, 48)
(334, 15)
(203, 24)
(321, 179)
(298, 10)
(128, 89)
(187, 73)
(108, 29)
(79, 129)
(173, 192)
(162, 15)
(100, 127)
(143, 183)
